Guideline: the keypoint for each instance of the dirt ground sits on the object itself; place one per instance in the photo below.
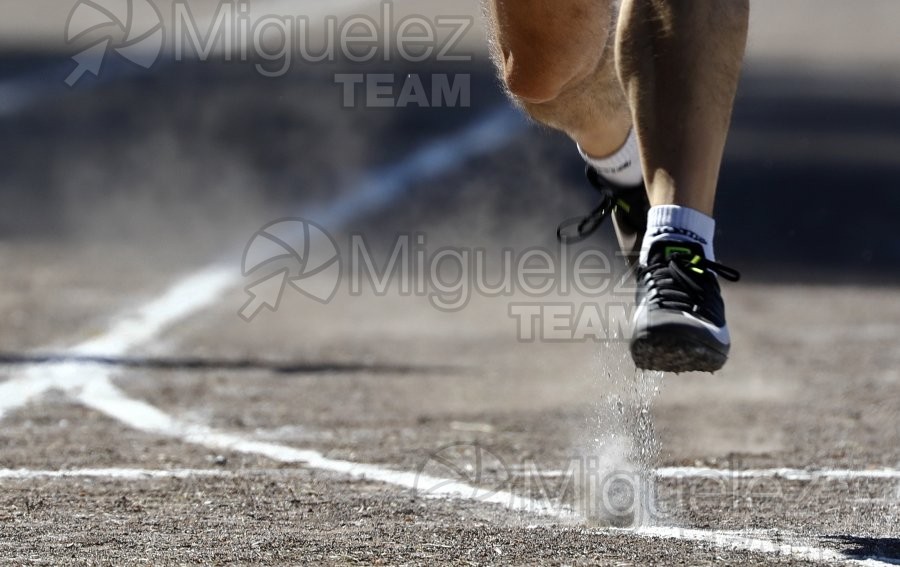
(328, 433)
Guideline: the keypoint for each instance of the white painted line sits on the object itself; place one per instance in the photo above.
(93, 387)
(104, 397)
(801, 475)
(137, 474)
(731, 540)
(205, 287)
(781, 473)
(111, 474)
(101, 395)
(190, 295)
(17, 392)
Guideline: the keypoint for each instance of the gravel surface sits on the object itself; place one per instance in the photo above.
(385, 379)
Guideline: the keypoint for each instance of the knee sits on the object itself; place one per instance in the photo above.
(543, 49)
(538, 77)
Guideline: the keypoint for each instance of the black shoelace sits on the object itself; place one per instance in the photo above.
(679, 283)
(576, 229)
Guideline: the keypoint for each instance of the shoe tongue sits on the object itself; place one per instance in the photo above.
(664, 249)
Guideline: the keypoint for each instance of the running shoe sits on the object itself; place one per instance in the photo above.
(628, 207)
(679, 324)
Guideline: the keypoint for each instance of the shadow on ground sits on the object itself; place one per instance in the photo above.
(245, 364)
(886, 549)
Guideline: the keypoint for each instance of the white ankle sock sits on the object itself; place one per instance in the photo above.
(678, 224)
(622, 168)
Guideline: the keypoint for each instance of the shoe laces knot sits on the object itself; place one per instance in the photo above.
(682, 279)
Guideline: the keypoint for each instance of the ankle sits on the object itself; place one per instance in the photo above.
(673, 223)
(622, 167)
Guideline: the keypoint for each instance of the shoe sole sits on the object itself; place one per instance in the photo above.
(668, 353)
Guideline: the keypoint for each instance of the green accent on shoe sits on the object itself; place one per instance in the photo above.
(676, 250)
(694, 261)
(625, 206)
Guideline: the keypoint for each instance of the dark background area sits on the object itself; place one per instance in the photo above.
(808, 190)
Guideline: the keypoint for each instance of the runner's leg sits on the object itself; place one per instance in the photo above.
(679, 62)
(557, 61)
